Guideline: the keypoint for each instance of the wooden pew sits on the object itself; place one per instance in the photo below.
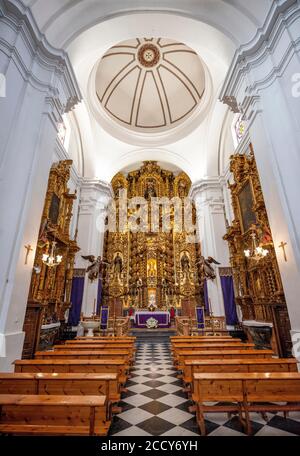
(204, 338)
(192, 367)
(250, 392)
(61, 384)
(102, 346)
(185, 355)
(83, 354)
(128, 338)
(96, 366)
(53, 415)
(213, 346)
(99, 341)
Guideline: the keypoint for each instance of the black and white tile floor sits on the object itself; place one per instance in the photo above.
(155, 404)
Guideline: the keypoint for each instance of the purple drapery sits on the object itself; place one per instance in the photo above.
(206, 299)
(104, 317)
(99, 296)
(76, 300)
(200, 318)
(229, 300)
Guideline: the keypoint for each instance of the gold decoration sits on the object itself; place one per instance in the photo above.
(152, 268)
(257, 281)
(52, 286)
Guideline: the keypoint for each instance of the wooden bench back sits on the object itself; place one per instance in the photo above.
(248, 387)
(55, 411)
(238, 365)
(118, 366)
(82, 354)
(184, 355)
(60, 384)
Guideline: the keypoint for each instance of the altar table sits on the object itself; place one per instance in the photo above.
(141, 317)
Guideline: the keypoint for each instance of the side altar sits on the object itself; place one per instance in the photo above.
(142, 318)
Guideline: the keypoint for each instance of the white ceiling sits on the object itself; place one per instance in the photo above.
(87, 29)
(150, 84)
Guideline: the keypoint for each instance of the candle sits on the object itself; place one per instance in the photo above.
(210, 309)
(94, 313)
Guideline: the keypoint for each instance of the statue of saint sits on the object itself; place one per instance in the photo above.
(150, 191)
(185, 263)
(118, 265)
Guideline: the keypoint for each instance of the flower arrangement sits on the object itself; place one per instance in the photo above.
(152, 323)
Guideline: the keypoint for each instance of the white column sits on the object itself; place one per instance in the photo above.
(40, 85)
(264, 84)
(95, 196)
(208, 197)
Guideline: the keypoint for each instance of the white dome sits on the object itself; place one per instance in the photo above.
(150, 85)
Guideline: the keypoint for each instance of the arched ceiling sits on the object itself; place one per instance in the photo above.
(150, 84)
(64, 20)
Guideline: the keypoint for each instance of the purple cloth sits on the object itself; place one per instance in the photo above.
(99, 296)
(76, 300)
(104, 317)
(229, 300)
(200, 318)
(206, 298)
(141, 319)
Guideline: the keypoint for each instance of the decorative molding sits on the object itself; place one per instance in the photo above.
(256, 54)
(62, 89)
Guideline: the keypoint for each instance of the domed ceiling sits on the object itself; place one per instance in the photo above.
(150, 85)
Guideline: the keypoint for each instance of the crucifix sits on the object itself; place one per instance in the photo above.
(28, 250)
(282, 246)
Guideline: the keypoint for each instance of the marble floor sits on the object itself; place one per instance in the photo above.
(155, 404)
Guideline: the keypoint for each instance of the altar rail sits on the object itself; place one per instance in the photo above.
(214, 326)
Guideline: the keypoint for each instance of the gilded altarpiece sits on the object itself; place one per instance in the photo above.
(257, 281)
(50, 288)
(151, 266)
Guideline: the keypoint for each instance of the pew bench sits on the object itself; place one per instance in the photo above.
(245, 393)
(85, 354)
(106, 366)
(61, 384)
(192, 367)
(185, 355)
(96, 346)
(212, 346)
(53, 415)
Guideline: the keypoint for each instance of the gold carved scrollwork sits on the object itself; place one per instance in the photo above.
(257, 283)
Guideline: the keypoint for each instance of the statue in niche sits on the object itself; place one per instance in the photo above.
(182, 189)
(118, 265)
(185, 263)
(150, 191)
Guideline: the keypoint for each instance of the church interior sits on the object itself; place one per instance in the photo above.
(150, 242)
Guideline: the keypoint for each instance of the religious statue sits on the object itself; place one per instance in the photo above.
(207, 270)
(182, 189)
(150, 191)
(185, 263)
(118, 265)
(95, 269)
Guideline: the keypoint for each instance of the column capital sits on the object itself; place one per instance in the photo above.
(208, 192)
(259, 63)
(44, 67)
(95, 195)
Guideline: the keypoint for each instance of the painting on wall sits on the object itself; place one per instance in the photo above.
(246, 203)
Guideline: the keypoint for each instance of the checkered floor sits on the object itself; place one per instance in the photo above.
(155, 404)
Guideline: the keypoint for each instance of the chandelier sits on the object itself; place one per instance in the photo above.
(256, 252)
(51, 259)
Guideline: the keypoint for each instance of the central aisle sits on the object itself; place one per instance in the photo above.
(155, 403)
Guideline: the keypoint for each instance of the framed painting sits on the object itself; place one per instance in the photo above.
(54, 209)
(246, 203)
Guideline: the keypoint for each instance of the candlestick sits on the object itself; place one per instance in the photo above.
(210, 308)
